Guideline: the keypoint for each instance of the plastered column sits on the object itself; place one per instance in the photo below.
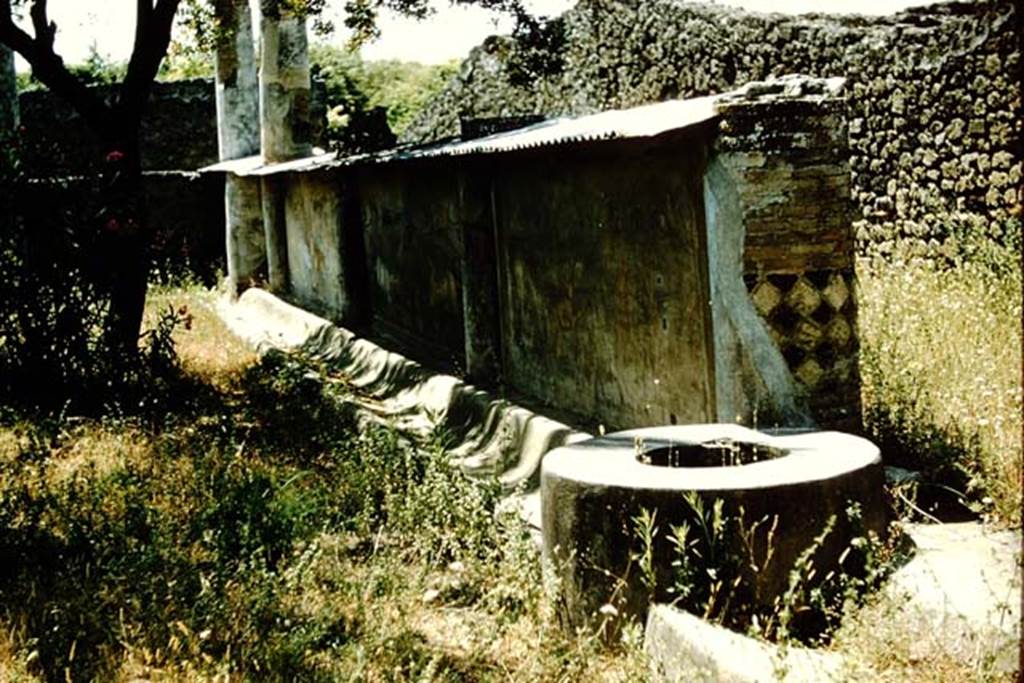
(284, 85)
(285, 132)
(8, 92)
(272, 196)
(238, 136)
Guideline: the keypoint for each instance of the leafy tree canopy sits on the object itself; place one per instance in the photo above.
(354, 85)
(117, 121)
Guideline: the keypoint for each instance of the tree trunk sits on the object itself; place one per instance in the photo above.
(124, 235)
(8, 93)
(124, 241)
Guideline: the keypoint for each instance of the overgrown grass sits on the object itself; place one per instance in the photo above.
(941, 367)
(246, 530)
(239, 526)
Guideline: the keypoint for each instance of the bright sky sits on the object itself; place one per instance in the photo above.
(450, 33)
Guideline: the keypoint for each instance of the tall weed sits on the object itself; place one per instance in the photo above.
(256, 533)
(941, 366)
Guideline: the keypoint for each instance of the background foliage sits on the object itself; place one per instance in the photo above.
(353, 86)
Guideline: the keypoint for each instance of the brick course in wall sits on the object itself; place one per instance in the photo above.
(789, 159)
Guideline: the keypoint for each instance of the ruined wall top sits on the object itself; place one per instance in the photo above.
(933, 93)
(784, 89)
(794, 114)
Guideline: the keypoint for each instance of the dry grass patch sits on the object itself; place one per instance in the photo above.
(13, 440)
(205, 345)
(239, 527)
(96, 450)
(941, 367)
(15, 659)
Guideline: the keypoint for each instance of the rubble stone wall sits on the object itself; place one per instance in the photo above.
(933, 95)
(179, 131)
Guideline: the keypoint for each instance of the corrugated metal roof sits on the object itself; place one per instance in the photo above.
(620, 124)
(255, 166)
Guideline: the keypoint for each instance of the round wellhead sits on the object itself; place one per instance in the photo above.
(787, 486)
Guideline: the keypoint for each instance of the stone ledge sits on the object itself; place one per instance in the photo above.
(682, 647)
(964, 582)
(492, 436)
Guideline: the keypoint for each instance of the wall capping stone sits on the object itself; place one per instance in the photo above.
(492, 436)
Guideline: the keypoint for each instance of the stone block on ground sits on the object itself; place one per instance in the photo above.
(965, 582)
(682, 647)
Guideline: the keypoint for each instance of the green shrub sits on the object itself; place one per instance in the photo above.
(356, 87)
(719, 557)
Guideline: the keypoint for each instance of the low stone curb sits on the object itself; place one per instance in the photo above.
(682, 647)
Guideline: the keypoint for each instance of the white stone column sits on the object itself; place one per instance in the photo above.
(238, 136)
(272, 195)
(8, 92)
(285, 132)
(284, 84)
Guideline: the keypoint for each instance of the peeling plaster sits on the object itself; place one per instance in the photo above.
(750, 372)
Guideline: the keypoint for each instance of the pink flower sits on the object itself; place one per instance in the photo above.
(115, 156)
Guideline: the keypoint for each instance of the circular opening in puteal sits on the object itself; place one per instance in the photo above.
(717, 453)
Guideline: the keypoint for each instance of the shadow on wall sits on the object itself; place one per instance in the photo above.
(573, 261)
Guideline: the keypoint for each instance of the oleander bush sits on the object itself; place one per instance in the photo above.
(54, 300)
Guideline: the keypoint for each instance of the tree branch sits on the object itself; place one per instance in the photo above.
(49, 68)
(44, 28)
(143, 16)
(152, 38)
